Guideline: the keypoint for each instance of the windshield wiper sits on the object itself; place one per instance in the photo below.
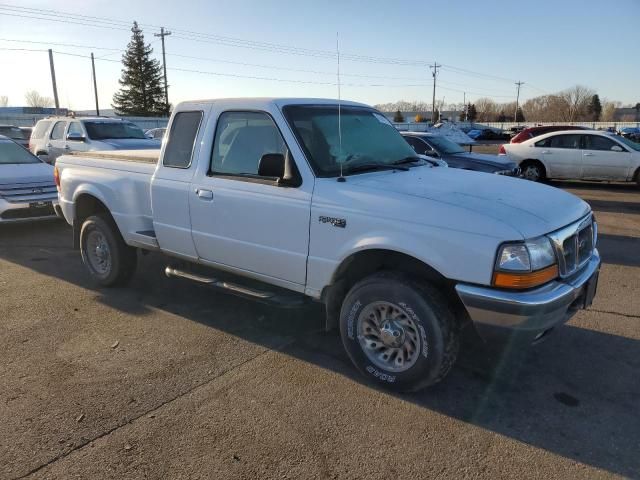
(375, 166)
(405, 160)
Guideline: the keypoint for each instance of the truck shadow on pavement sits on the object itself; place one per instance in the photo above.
(575, 395)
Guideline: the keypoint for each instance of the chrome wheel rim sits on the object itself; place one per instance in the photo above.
(98, 253)
(388, 336)
(532, 173)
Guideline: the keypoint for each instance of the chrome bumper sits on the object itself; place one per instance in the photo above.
(532, 312)
(13, 212)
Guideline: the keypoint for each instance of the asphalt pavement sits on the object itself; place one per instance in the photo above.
(168, 379)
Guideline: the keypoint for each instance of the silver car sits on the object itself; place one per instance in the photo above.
(56, 136)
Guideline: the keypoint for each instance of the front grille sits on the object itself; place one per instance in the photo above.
(28, 192)
(574, 245)
(31, 212)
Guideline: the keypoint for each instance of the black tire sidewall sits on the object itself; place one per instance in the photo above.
(408, 297)
(96, 223)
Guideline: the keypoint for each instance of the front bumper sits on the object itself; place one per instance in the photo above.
(24, 212)
(528, 314)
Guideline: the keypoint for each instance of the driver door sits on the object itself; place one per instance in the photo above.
(242, 220)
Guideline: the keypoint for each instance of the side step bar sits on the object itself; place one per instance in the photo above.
(281, 300)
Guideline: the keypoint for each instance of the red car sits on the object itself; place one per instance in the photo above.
(531, 132)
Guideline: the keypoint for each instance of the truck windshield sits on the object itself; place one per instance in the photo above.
(445, 146)
(113, 130)
(365, 137)
(12, 153)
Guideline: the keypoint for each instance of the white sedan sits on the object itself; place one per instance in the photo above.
(579, 155)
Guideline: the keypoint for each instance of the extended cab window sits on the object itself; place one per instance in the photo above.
(58, 131)
(182, 139)
(242, 138)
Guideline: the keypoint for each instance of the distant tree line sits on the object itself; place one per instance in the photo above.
(575, 104)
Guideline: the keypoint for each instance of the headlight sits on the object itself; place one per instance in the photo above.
(526, 264)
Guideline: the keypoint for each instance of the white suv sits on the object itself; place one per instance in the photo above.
(577, 154)
(57, 135)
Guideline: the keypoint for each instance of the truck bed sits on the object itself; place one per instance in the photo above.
(145, 156)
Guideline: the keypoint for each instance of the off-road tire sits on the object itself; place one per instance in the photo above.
(439, 330)
(123, 258)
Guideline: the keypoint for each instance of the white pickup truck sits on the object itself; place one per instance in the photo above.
(285, 200)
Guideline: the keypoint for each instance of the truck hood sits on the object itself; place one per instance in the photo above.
(530, 208)
(26, 173)
(131, 143)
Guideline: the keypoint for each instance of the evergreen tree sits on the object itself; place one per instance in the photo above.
(519, 115)
(141, 93)
(594, 108)
(398, 117)
(502, 117)
(472, 114)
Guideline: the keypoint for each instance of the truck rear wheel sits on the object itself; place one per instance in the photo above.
(110, 261)
(399, 332)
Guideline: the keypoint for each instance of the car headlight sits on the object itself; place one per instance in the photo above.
(525, 264)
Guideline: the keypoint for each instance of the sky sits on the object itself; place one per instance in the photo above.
(287, 48)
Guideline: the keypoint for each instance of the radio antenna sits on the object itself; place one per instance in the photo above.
(341, 177)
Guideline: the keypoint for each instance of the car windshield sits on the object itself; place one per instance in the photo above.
(635, 146)
(12, 153)
(357, 137)
(12, 132)
(445, 146)
(113, 130)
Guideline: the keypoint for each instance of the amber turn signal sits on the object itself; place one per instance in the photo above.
(521, 280)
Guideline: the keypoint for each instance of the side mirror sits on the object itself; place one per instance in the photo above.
(617, 148)
(272, 165)
(75, 137)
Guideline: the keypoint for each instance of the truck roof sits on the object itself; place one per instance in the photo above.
(263, 102)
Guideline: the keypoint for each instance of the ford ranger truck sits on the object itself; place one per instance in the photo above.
(285, 200)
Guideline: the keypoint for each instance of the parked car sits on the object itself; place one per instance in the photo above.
(632, 133)
(57, 135)
(289, 200)
(15, 134)
(581, 155)
(533, 132)
(27, 189)
(437, 146)
(513, 131)
(156, 133)
(488, 134)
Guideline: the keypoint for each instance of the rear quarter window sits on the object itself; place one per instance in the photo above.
(41, 128)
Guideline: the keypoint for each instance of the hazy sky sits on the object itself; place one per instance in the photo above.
(550, 45)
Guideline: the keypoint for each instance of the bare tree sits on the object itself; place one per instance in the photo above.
(4, 101)
(577, 102)
(34, 99)
(487, 109)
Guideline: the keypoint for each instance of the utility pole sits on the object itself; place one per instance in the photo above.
(434, 73)
(164, 33)
(515, 116)
(95, 85)
(53, 80)
(464, 105)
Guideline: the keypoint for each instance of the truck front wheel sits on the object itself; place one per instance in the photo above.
(110, 261)
(399, 332)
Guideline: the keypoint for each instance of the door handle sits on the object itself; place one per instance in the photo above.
(588, 154)
(67, 147)
(49, 145)
(546, 152)
(204, 194)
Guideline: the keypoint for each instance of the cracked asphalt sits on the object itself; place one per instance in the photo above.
(167, 379)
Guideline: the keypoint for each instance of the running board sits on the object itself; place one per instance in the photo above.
(281, 300)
